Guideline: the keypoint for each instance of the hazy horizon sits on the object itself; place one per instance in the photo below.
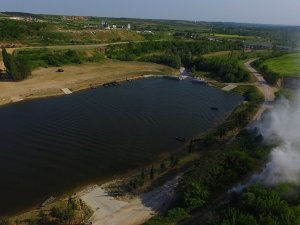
(268, 12)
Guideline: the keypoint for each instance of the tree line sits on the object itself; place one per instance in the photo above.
(21, 63)
(222, 165)
(224, 68)
(16, 30)
(17, 68)
(171, 53)
(258, 205)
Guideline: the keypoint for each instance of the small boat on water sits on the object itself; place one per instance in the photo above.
(214, 108)
(181, 139)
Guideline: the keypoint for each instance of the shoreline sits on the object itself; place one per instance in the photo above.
(119, 178)
(122, 177)
(125, 175)
(46, 82)
(59, 92)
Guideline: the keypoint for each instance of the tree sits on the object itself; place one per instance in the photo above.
(195, 195)
(152, 173)
(7, 60)
(20, 68)
(143, 174)
(259, 204)
(72, 203)
(43, 219)
(56, 213)
(162, 167)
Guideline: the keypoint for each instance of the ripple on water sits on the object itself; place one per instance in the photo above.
(53, 145)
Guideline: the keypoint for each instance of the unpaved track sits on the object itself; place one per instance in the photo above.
(110, 211)
(267, 90)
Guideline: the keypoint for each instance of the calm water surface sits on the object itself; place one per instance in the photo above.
(52, 145)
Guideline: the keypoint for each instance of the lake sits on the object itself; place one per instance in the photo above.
(53, 145)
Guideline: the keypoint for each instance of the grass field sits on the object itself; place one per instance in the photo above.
(213, 54)
(285, 65)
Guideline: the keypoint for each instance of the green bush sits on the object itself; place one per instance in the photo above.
(227, 69)
(16, 30)
(173, 52)
(168, 60)
(195, 195)
(169, 218)
(270, 76)
(258, 205)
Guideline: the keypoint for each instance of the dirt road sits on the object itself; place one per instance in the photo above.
(267, 90)
(110, 211)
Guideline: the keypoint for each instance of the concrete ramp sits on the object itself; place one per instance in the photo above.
(16, 99)
(67, 91)
(229, 87)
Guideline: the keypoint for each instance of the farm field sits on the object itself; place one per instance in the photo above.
(232, 36)
(285, 65)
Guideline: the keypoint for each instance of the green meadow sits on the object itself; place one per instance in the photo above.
(285, 65)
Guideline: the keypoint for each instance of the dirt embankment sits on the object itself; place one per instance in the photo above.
(47, 82)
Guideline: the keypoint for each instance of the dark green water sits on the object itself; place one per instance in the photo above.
(52, 145)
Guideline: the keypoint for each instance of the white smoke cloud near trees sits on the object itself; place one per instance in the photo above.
(280, 126)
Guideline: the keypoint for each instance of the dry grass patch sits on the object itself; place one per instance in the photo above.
(47, 82)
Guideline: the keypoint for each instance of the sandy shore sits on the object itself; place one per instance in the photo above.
(111, 211)
(47, 82)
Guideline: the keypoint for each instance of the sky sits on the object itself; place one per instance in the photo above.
(250, 11)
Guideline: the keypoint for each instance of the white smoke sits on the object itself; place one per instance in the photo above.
(281, 125)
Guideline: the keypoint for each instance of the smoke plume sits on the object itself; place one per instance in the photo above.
(282, 125)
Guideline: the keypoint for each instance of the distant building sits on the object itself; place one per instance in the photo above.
(105, 25)
(129, 26)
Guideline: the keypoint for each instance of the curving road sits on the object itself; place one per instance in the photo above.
(267, 90)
